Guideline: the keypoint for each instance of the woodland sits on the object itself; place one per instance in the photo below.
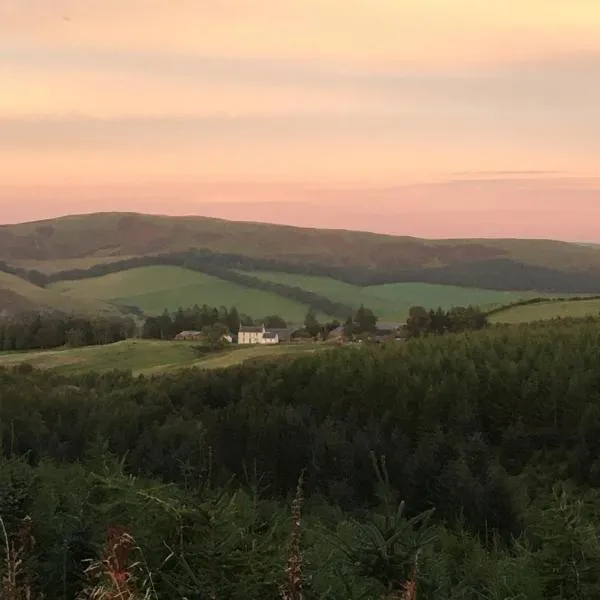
(457, 466)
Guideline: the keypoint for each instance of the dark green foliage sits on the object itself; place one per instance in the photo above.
(210, 320)
(456, 320)
(30, 331)
(487, 484)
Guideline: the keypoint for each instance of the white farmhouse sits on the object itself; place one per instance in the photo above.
(256, 335)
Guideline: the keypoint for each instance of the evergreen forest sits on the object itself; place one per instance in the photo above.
(443, 467)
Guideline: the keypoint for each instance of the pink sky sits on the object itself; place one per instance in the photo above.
(428, 117)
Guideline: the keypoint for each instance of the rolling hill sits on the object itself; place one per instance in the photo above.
(152, 289)
(108, 261)
(106, 236)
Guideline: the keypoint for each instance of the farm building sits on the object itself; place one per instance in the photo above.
(258, 335)
(189, 336)
(284, 334)
(197, 336)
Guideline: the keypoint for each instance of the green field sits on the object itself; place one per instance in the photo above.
(155, 288)
(547, 310)
(35, 298)
(393, 301)
(145, 356)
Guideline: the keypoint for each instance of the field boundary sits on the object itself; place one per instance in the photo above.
(539, 300)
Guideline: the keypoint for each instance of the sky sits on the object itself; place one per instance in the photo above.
(435, 118)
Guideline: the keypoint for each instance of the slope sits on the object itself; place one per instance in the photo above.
(145, 357)
(393, 301)
(17, 295)
(104, 236)
(153, 289)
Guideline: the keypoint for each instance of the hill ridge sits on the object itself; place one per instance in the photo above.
(193, 217)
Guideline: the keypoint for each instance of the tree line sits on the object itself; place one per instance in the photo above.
(200, 318)
(437, 322)
(36, 330)
(39, 331)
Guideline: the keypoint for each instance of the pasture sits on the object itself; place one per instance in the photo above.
(155, 288)
(544, 311)
(145, 356)
(393, 301)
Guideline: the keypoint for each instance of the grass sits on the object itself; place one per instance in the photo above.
(155, 288)
(145, 356)
(33, 297)
(547, 310)
(393, 301)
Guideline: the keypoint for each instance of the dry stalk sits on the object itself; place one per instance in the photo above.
(112, 573)
(15, 583)
(292, 585)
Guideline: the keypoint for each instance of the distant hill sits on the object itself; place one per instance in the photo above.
(49, 255)
(103, 236)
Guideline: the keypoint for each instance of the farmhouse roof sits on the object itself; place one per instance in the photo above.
(251, 329)
(190, 333)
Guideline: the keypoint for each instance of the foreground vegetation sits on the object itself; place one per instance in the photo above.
(455, 466)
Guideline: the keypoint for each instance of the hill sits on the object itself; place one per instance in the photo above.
(144, 357)
(102, 237)
(108, 261)
(152, 289)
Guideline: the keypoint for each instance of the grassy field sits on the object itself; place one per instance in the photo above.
(155, 288)
(145, 356)
(32, 297)
(547, 310)
(393, 301)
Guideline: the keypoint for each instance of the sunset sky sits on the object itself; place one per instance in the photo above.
(441, 118)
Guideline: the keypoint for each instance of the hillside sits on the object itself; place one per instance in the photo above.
(116, 261)
(18, 294)
(392, 301)
(105, 236)
(152, 289)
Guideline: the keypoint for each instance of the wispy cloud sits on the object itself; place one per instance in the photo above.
(329, 91)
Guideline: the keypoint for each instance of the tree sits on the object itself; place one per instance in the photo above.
(349, 327)
(233, 320)
(365, 320)
(418, 321)
(311, 324)
(274, 322)
(214, 336)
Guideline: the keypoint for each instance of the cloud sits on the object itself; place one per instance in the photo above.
(296, 89)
